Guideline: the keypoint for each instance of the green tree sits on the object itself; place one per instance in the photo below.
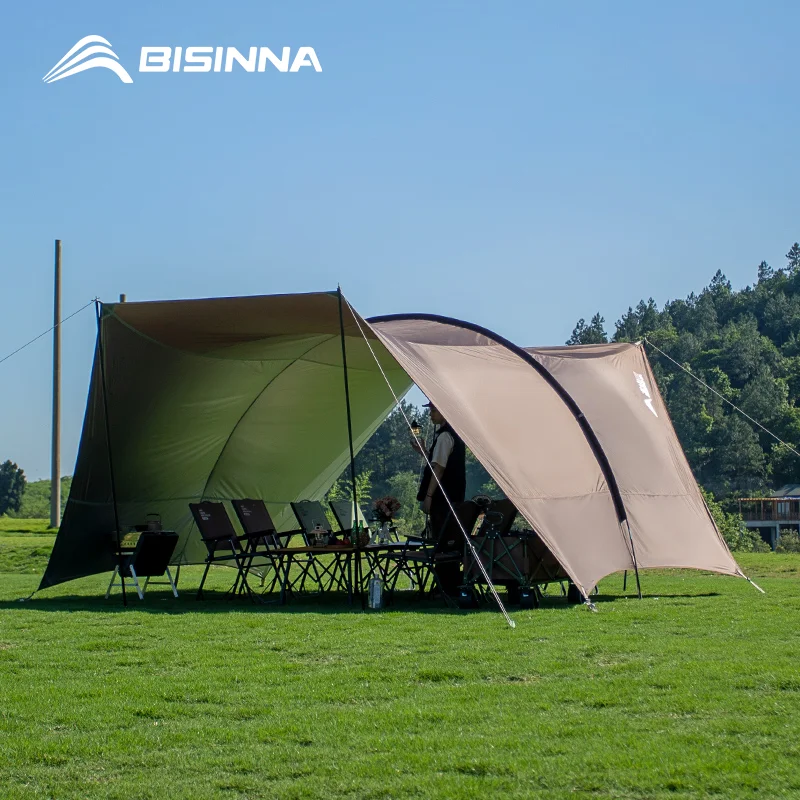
(389, 452)
(12, 487)
(593, 333)
(765, 272)
(793, 259)
(404, 486)
(738, 464)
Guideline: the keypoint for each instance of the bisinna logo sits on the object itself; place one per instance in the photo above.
(82, 61)
(168, 59)
(648, 401)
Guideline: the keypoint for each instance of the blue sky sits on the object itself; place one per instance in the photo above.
(517, 164)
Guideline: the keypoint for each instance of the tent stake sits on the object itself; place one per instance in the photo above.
(101, 350)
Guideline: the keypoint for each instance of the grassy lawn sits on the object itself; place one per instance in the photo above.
(692, 692)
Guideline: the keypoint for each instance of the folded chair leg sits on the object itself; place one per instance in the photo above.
(285, 580)
(203, 581)
(136, 583)
(173, 583)
(111, 582)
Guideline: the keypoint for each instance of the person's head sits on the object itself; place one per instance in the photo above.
(436, 415)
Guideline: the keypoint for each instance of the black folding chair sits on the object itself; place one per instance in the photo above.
(502, 555)
(149, 559)
(261, 536)
(222, 542)
(336, 571)
(426, 562)
(543, 567)
(343, 514)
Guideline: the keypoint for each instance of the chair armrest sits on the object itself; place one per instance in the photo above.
(257, 535)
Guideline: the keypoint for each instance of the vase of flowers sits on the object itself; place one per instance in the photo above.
(385, 508)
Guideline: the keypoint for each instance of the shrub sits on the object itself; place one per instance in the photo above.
(736, 534)
(12, 487)
(789, 542)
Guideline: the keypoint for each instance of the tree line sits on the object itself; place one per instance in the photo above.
(743, 343)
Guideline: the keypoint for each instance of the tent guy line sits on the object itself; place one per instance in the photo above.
(399, 405)
(51, 328)
(722, 397)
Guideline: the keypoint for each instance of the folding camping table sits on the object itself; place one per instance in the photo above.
(338, 571)
(380, 564)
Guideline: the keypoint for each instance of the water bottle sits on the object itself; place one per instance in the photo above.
(375, 593)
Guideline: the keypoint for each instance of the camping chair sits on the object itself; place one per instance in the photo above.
(259, 532)
(310, 514)
(543, 567)
(343, 514)
(221, 541)
(447, 548)
(376, 563)
(501, 553)
(149, 559)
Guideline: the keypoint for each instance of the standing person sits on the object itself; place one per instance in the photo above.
(447, 454)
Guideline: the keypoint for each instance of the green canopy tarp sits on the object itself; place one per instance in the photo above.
(215, 400)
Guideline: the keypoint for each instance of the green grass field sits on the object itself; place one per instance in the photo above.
(693, 692)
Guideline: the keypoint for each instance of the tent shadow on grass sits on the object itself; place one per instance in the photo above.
(221, 605)
(158, 602)
(613, 598)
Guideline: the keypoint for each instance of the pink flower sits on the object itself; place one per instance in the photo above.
(386, 507)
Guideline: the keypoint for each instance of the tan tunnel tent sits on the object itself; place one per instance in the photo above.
(232, 398)
(577, 437)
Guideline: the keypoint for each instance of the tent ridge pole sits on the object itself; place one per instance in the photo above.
(101, 353)
(566, 397)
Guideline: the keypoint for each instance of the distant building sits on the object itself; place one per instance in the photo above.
(770, 515)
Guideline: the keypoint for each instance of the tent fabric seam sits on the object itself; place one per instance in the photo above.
(239, 422)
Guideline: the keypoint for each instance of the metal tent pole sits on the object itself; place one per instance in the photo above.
(635, 563)
(355, 523)
(55, 461)
(101, 353)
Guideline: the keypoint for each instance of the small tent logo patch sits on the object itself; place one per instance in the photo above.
(642, 384)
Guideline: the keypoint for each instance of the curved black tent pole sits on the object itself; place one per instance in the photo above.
(588, 432)
(354, 532)
(102, 356)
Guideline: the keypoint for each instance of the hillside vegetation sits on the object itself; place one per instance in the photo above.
(745, 344)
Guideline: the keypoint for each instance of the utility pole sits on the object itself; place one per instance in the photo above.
(55, 461)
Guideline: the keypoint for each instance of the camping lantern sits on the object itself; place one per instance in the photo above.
(416, 428)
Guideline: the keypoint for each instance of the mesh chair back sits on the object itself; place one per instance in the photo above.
(343, 511)
(215, 526)
(311, 513)
(256, 521)
(153, 552)
(451, 537)
(254, 516)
